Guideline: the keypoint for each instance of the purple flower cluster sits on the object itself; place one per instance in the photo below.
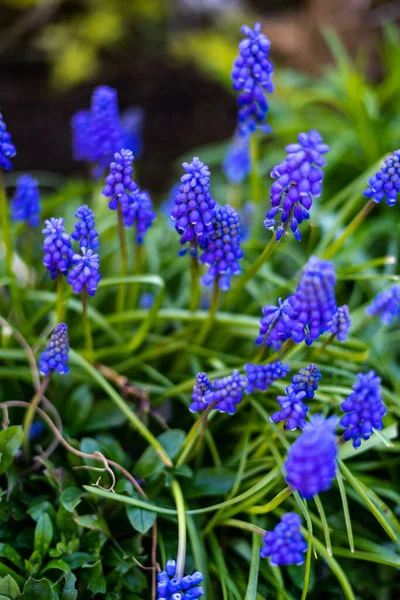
(386, 182)
(193, 210)
(364, 409)
(84, 274)
(386, 305)
(298, 181)
(119, 183)
(227, 392)
(55, 356)
(237, 161)
(80, 127)
(285, 545)
(57, 247)
(307, 313)
(293, 410)
(251, 77)
(25, 205)
(262, 376)
(7, 148)
(311, 461)
(223, 249)
(202, 386)
(341, 323)
(105, 131)
(246, 220)
(306, 380)
(140, 213)
(132, 120)
(171, 587)
(85, 229)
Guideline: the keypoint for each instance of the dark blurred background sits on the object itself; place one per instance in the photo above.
(171, 57)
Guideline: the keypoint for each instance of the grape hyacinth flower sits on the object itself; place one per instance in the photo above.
(227, 393)
(251, 77)
(84, 274)
(306, 380)
(57, 247)
(146, 300)
(85, 229)
(81, 131)
(386, 182)
(262, 376)
(7, 148)
(307, 313)
(311, 461)
(140, 213)
(193, 210)
(246, 220)
(364, 409)
(298, 180)
(55, 356)
(341, 323)
(119, 183)
(202, 386)
(25, 205)
(386, 305)
(105, 131)
(237, 161)
(223, 250)
(132, 129)
(172, 587)
(293, 410)
(285, 545)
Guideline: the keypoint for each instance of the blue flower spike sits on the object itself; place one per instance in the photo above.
(261, 377)
(25, 205)
(7, 148)
(364, 409)
(385, 184)
(237, 161)
(105, 130)
(311, 461)
(85, 229)
(285, 545)
(252, 78)
(140, 213)
(223, 250)
(194, 207)
(341, 323)
(84, 274)
(81, 130)
(57, 247)
(226, 393)
(55, 356)
(200, 389)
(119, 183)
(171, 587)
(386, 305)
(298, 181)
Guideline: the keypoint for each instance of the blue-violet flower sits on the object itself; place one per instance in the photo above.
(227, 393)
(193, 210)
(25, 205)
(364, 409)
(57, 247)
(262, 376)
(251, 77)
(55, 356)
(223, 250)
(237, 162)
(298, 181)
(81, 132)
(85, 229)
(171, 587)
(119, 183)
(341, 323)
(132, 120)
(285, 545)
(386, 182)
(105, 127)
(311, 461)
(306, 380)
(140, 213)
(7, 148)
(84, 274)
(293, 410)
(202, 386)
(386, 305)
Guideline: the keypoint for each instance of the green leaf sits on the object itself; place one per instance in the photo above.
(212, 481)
(37, 590)
(150, 463)
(93, 522)
(58, 565)
(43, 534)
(69, 592)
(8, 552)
(71, 497)
(10, 441)
(78, 408)
(9, 587)
(141, 520)
(104, 416)
(95, 578)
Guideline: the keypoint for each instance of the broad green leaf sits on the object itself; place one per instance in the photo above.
(70, 498)
(37, 590)
(150, 463)
(95, 578)
(93, 522)
(69, 592)
(211, 481)
(10, 441)
(104, 416)
(43, 534)
(78, 408)
(141, 520)
(8, 552)
(58, 565)
(9, 587)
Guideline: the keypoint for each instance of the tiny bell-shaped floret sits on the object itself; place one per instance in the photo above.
(25, 205)
(57, 247)
(55, 356)
(200, 389)
(285, 545)
(227, 393)
(306, 380)
(341, 323)
(119, 183)
(385, 184)
(85, 229)
(171, 587)
(262, 376)
(140, 213)
(386, 305)
(84, 274)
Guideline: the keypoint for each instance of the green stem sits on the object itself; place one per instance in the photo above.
(60, 307)
(180, 507)
(346, 511)
(351, 228)
(255, 186)
(251, 591)
(28, 418)
(325, 525)
(211, 315)
(255, 267)
(194, 283)
(87, 327)
(192, 435)
(124, 259)
(279, 498)
(138, 270)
